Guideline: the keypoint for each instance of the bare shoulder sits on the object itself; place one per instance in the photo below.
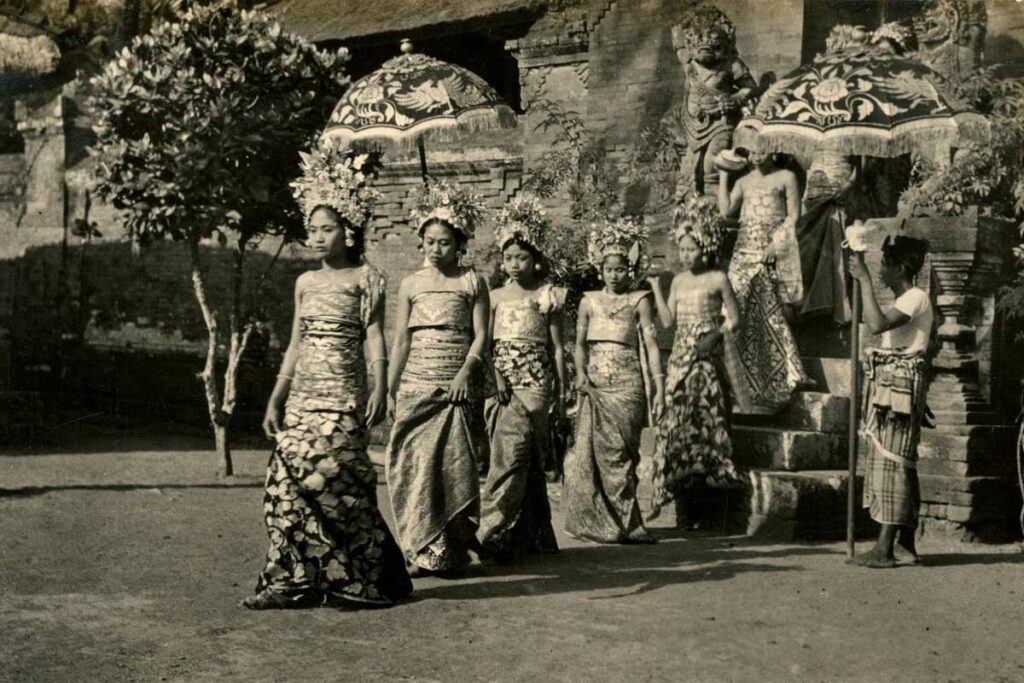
(408, 284)
(719, 279)
(480, 284)
(786, 176)
(303, 280)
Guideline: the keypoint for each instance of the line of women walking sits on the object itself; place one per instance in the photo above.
(457, 344)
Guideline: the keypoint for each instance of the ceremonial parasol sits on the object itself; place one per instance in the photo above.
(867, 103)
(413, 96)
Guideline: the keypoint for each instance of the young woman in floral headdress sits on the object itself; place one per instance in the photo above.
(693, 445)
(329, 544)
(526, 328)
(765, 274)
(600, 472)
(437, 371)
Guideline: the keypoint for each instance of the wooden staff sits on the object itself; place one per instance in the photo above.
(851, 480)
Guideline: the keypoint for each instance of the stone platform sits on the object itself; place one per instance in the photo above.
(795, 485)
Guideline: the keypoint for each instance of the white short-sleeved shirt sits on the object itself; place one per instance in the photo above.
(912, 336)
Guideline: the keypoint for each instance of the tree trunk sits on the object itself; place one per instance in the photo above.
(218, 418)
(239, 334)
(222, 439)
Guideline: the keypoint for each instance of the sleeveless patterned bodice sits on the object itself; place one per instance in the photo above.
(698, 305)
(828, 175)
(441, 322)
(453, 310)
(520, 319)
(330, 372)
(521, 338)
(762, 211)
(612, 318)
(526, 318)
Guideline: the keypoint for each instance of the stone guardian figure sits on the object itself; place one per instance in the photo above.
(717, 86)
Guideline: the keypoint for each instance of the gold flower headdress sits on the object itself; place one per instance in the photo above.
(339, 180)
(626, 237)
(522, 218)
(462, 210)
(698, 217)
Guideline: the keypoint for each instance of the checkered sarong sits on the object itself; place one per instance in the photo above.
(891, 490)
(894, 400)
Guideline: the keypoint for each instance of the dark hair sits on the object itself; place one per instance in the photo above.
(908, 253)
(356, 252)
(460, 239)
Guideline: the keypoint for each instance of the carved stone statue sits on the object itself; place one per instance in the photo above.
(717, 86)
(951, 36)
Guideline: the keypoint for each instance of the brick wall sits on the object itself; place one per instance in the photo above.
(392, 245)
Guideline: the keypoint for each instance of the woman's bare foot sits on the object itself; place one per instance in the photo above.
(267, 599)
(640, 537)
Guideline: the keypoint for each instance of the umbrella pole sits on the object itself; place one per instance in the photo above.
(851, 481)
(423, 158)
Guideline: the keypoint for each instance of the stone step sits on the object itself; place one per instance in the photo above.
(957, 403)
(965, 417)
(811, 505)
(784, 506)
(983, 450)
(831, 375)
(811, 411)
(788, 449)
(988, 494)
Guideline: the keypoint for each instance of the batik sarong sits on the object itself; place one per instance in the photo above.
(769, 360)
(600, 490)
(328, 540)
(432, 455)
(692, 445)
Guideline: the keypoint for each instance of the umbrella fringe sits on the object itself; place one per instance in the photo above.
(966, 128)
(441, 130)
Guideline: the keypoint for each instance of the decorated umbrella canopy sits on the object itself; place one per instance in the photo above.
(412, 96)
(865, 104)
(860, 100)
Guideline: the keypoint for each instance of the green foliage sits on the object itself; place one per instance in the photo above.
(990, 176)
(199, 124)
(654, 163)
(577, 162)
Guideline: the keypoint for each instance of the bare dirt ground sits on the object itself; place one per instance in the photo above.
(123, 558)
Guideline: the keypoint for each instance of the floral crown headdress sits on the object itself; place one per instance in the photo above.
(460, 209)
(698, 217)
(339, 180)
(522, 218)
(899, 34)
(626, 237)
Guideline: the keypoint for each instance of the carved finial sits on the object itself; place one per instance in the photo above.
(406, 46)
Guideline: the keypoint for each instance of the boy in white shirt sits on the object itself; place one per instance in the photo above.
(895, 389)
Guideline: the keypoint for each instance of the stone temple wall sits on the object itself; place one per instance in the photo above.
(612, 61)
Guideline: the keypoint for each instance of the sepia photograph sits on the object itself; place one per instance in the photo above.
(450, 341)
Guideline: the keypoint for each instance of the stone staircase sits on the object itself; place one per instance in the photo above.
(796, 481)
(796, 466)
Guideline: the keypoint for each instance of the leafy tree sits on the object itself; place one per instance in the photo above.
(198, 127)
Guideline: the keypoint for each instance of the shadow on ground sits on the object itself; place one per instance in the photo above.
(631, 569)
